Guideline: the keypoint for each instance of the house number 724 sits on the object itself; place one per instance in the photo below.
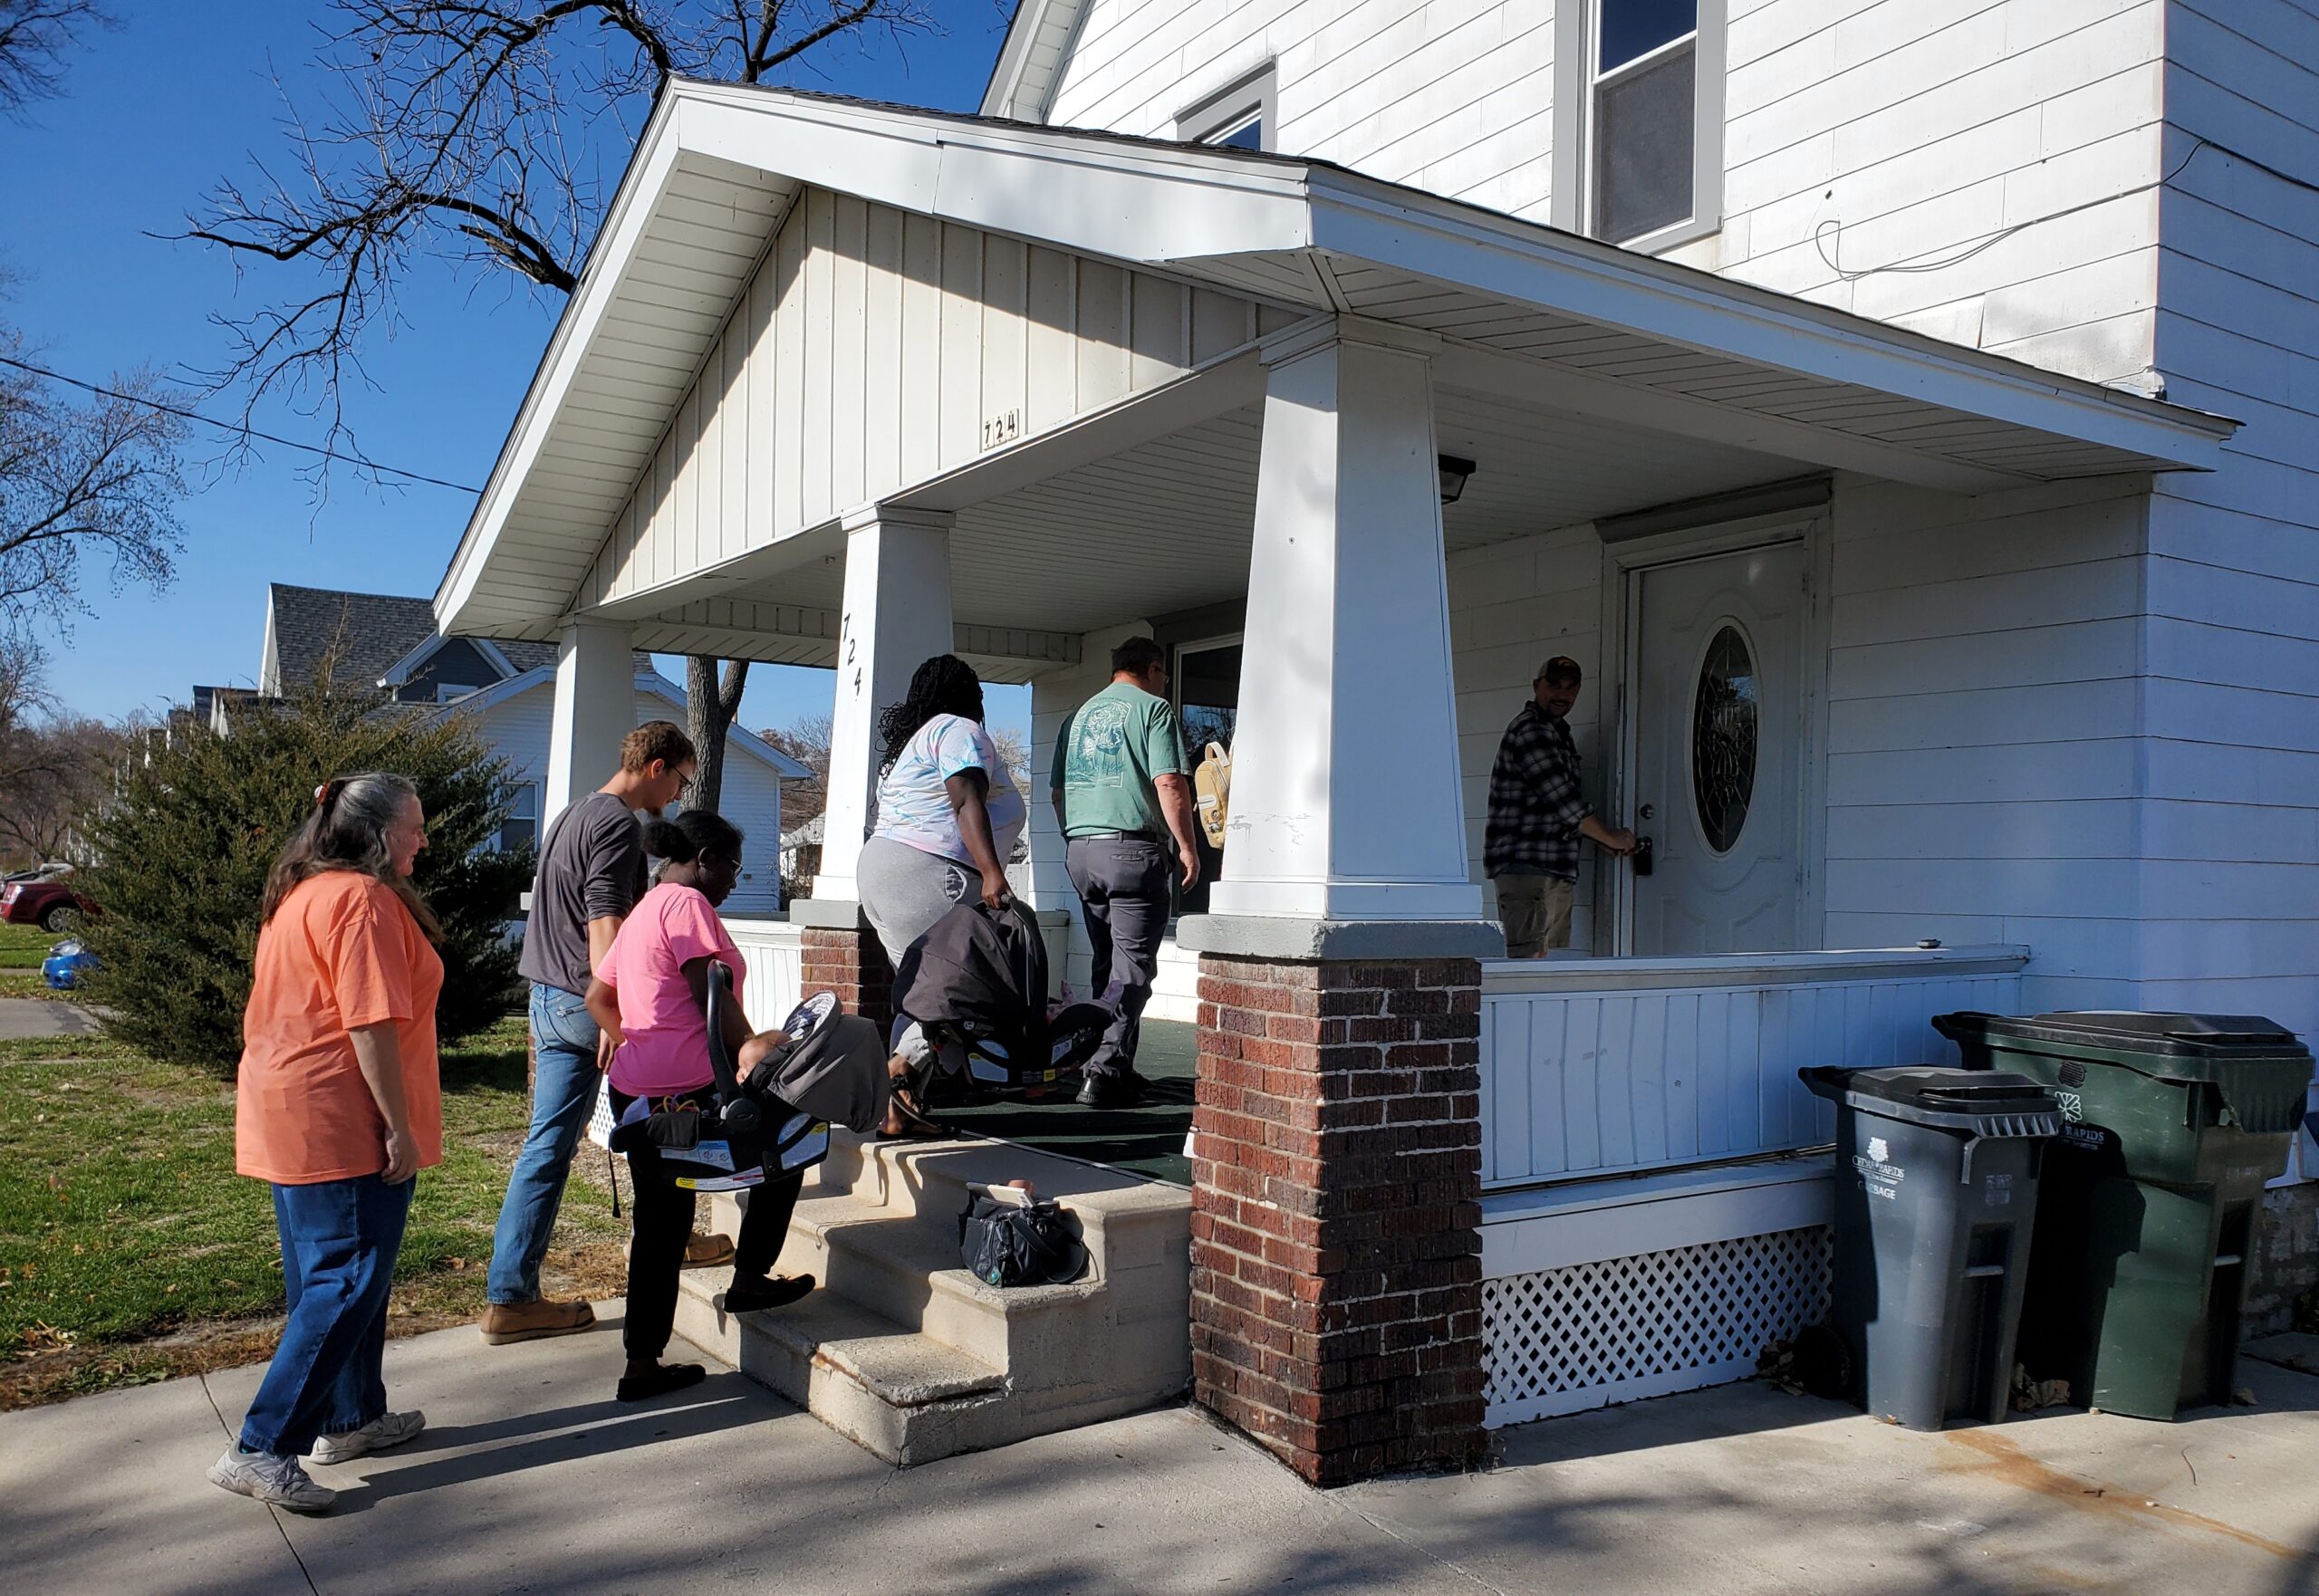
(1004, 427)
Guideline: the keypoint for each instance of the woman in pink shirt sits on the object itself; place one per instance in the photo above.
(651, 996)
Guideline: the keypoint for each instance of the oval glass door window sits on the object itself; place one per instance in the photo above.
(1726, 723)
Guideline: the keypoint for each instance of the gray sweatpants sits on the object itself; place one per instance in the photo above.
(1122, 883)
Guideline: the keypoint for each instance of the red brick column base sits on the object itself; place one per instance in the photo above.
(1336, 1207)
(851, 963)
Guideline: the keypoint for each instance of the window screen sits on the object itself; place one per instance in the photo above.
(1645, 115)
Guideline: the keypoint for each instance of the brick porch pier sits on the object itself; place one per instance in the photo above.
(1336, 1266)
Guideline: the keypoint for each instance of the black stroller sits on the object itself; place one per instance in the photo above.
(977, 983)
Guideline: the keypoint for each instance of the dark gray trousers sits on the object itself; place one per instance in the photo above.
(1122, 884)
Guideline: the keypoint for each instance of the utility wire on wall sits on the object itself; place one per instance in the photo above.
(234, 428)
(1912, 264)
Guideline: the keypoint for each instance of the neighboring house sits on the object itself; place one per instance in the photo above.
(1907, 413)
(386, 644)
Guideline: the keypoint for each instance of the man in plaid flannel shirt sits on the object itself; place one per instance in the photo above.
(1536, 816)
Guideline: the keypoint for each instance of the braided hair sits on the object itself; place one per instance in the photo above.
(944, 685)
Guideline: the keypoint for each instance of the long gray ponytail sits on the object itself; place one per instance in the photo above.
(348, 831)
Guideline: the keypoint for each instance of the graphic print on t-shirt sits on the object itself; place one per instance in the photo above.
(1098, 752)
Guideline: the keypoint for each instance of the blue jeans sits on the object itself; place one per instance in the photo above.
(564, 1084)
(339, 1241)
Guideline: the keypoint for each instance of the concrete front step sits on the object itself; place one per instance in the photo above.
(905, 1352)
(903, 1396)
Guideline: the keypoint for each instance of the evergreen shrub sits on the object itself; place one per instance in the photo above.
(182, 852)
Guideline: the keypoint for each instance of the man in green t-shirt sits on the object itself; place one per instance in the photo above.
(1124, 797)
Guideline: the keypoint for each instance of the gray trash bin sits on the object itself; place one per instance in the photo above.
(1936, 1191)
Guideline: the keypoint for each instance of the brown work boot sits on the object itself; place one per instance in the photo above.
(528, 1321)
(709, 1252)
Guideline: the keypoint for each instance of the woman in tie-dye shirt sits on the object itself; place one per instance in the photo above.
(948, 816)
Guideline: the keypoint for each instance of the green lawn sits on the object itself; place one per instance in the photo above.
(22, 947)
(123, 1222)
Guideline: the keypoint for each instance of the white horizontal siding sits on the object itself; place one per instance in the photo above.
(2230, 885)
(517, 730)
(1868, 134)
(1985, 767)
(1453, 99)
(1915, 128)
(1513, 606)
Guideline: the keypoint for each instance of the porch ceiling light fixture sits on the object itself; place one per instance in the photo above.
(1454, 469)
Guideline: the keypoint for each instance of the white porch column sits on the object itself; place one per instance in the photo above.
(897, 615)
(1345, 793)
(595, 709)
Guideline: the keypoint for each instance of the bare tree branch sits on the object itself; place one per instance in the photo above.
(479, 137)
(35, 37)
(473, 136)
(77, 476)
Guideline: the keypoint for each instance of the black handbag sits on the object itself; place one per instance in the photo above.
(1004, 1243)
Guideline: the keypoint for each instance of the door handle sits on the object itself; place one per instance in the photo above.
(1642, 856)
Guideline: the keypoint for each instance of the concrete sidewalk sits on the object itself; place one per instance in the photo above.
(43, 1017)
(532, 1479)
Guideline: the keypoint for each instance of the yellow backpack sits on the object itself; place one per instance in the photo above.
(1212, 789)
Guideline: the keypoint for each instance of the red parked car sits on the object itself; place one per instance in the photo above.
(50, 904)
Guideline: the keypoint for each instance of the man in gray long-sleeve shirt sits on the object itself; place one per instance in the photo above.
(591, 874)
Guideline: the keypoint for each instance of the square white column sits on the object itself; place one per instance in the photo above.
(897, 616)
(595, 709)
(1345, 790)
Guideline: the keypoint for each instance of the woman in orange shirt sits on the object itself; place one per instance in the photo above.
(339, 1104)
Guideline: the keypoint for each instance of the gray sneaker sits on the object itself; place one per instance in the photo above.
(388, 1429)
(277, 1481)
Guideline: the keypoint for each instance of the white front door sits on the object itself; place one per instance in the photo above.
(1717, 751)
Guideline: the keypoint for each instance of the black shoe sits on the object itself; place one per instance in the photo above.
(747, 1296)
(1111, 1089)
(663, 1378)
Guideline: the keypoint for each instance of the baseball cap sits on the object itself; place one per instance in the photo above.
(1560, 668)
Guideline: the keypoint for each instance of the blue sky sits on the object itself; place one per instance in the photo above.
(153, 115)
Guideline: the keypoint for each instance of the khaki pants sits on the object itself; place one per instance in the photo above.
(1535, 911)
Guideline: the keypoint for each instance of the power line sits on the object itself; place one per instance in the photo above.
(236, 428)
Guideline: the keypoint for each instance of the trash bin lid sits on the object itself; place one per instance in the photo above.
(1982, 1101)
(2178, 1040)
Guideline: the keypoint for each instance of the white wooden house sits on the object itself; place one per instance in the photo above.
(386, 644)
(1941, 377)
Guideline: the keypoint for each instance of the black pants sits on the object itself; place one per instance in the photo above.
(1123, 887)
(664, 1213)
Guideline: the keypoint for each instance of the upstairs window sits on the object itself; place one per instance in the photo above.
(1240, 117)
(1643, 120)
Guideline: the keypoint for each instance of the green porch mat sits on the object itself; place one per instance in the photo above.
(1147, 1139)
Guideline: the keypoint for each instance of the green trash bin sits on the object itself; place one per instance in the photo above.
(2172, 1124)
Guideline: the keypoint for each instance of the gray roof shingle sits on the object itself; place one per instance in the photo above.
(366, 633)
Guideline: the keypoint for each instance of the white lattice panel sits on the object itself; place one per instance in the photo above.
(1561, 1340)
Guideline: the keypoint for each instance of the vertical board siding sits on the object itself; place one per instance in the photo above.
(1612, 1082)
(773, 950)
(869, 352)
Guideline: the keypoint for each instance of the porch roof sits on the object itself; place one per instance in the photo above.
(1541, 322)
